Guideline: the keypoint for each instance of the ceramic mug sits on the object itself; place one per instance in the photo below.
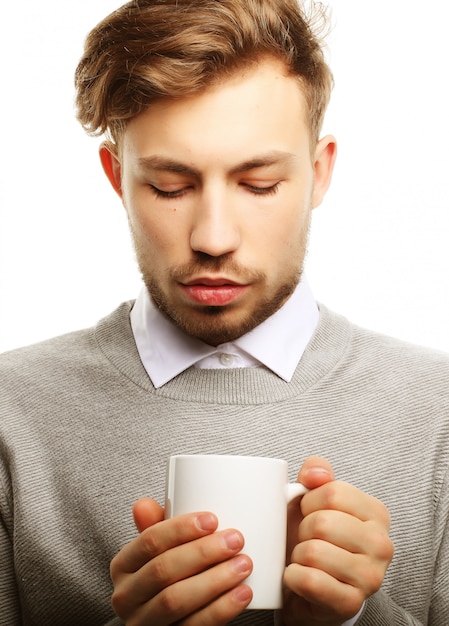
(247, 493)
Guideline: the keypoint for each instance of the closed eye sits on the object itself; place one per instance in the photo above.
(176, 193)
(263, 191)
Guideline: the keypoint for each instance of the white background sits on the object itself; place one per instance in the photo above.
(379, 251)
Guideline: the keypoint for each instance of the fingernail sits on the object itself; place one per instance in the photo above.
(316, 476)
(206, 521)
(233, 540)
(241, 565)
(318, 471)
(242, 594)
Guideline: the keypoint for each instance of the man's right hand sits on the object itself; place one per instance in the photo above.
(179, 570)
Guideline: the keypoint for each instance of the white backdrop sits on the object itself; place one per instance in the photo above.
(378, 252)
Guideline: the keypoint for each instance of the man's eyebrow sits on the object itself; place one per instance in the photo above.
(275, 157)
(165, 164)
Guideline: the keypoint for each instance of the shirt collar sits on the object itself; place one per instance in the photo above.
(278, 343)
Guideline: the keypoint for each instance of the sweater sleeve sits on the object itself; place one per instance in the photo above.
(9, 596)
(382, 611)
(439, 605)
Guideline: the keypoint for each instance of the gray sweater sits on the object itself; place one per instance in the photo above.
(83, 434)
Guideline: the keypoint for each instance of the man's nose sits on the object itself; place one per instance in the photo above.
(215, 230)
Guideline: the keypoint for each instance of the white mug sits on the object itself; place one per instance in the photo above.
(247, 493)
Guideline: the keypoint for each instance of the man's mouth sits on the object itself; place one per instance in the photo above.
(213, 291)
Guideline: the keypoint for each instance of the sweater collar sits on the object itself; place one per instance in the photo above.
(278, 343)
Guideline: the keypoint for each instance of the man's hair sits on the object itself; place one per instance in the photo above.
(153, 49)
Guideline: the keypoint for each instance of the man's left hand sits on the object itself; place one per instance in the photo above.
(339, 549)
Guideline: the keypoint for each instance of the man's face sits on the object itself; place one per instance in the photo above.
(218, 189)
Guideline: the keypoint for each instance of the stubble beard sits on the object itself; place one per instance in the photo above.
(214, 324)
(211, 324)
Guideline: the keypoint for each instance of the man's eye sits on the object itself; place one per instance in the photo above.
(263, 191)
(160, 193)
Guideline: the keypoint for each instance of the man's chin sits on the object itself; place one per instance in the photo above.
(214, 325)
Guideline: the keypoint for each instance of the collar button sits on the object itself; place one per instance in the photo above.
(226, 359)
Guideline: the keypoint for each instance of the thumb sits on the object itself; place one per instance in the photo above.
(146, 513)
(315, 472)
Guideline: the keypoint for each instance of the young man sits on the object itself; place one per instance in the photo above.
(212, 112)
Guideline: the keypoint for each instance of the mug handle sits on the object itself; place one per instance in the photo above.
(294, 490)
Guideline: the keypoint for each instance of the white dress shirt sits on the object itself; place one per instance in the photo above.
(278, 344)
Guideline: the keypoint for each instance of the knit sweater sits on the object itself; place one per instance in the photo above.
(84, 434)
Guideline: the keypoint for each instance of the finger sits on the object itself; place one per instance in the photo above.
(201, 598)
(364, 571)
(341, 496)
(315, 472)
(327, 595)
(223, 610)
(328, 558)
(344, 531)
(180, 563)
(161, 537)
(147, 512)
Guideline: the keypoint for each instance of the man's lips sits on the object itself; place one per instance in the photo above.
(213, 291)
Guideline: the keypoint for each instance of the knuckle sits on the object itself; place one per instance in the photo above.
(331, 495)
(311, 552)
(373, 581)
(171, 602)
(321, 525)
(114, 568)
(382, 546)
(384, 515)
(158, 571)
(118, 603)
(311, 584)
(370, 578)
(203, 547)
(385, 548)
(350, 605)
(149, 543)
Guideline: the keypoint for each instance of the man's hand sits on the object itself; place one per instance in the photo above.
(339, 549)
(179, 570)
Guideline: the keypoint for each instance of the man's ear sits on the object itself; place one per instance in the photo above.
(325, 155)
(111, 166)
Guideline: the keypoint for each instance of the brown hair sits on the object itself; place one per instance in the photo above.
(152, 49)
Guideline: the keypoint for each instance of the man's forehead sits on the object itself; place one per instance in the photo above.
(262, 108)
